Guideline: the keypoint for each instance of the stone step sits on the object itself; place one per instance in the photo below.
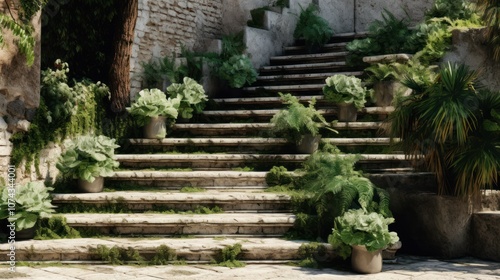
(141, 200)
(311, 88)
(340, 37)
(175, 180)
(189, 249)
(235, 129)
(325, 48)
(227, 161)
(307, 68)
(303, 78)
(308, 58)
(181, 224)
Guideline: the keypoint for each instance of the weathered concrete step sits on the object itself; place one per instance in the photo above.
(205, 179)
(175, 224)
(141, 200)
(307, 68)
(308, 58)
(288, 88)
(221, 161)
(340, 37)
(234, 129)
(189, 249)
(325, 48)
(305, 77)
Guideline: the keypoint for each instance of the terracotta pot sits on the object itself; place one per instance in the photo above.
(364, 261)
(87, 187)
(347, 112)
(308, 144)
(156, 128)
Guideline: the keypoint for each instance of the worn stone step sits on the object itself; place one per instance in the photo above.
(206, 179)
(308, 58)
(325, 48)
(182, 224)
(189, 249)
(235, 129)
(225, 161)
(303, 78)
(307, 68)
(141, 200)
(340, 37)
(287, 88)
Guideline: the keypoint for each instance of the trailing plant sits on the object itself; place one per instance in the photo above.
(30, 202)
(447, 121)
(345, 89)
(297, 120)
(55, 227)
(192, 97)
(312, 28)
(150, 103)
(237, 71)
(358, 227)
(88, 157)
(228, 256)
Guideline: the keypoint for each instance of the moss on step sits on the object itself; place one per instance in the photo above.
(119, 256)
(313, 255)
(55, 227)
(189, 189)
(121, 206)
(228, 256)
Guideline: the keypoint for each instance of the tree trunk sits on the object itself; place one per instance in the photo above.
(119, 74)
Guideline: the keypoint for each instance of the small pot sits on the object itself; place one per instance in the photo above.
(364, 261)
(347, 112)
(91, 187)
(308, 144)
(156, 128)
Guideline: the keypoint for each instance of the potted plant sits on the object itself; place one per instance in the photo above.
(384, 78)
(89, 158)
(237, 71)
(153, 109)
(29, 203)
(312, 28)
(299, 124)
(192, 96)
(348, 93)
(362, 235)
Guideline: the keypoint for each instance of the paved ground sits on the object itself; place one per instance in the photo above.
(407, 267)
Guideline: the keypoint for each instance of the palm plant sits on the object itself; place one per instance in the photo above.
(446, 121)
(491, 17)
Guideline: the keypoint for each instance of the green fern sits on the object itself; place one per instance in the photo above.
(313, 28)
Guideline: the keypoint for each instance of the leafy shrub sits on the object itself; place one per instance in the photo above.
(237, 71)
(345, 89)
(154, 103)
(278, 176)
(313, 28)
(453, 9)
(192, 96)
(228, 256)
(55, 227)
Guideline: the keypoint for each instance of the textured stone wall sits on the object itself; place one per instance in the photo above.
(163, 27)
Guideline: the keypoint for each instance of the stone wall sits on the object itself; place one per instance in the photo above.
(19, 88)
(163, 27)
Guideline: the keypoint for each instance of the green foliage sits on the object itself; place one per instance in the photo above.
(278, 176)
(24, 33)
(155, 72)
(310, 253)
(313, 28)
(237, 71)
(347, 89)
(117, 255)
(164, 255)
(491, 15)
(30, 8)
(453, 9)
(191, 189)
(358, 227)
(232, 45)
(282, 3)
(88, 157)
(228, 256)
(192, 97)
(31, 201)
(444, 120)
(55, 227)
(297, 120)
(382, 72)
(150, 103)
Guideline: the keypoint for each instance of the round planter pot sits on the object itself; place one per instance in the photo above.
(384, 92)
(88, 187)
(308, 145)
(156, 128)
(364, 261)
(347, 112)
(26, 234)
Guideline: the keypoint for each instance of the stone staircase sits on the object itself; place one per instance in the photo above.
(226, 153)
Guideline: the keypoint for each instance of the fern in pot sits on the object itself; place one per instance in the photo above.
(348, 93)
(192, 97)
(363, 235)
(299, 124)
(153, 109)
(23, 208)
(312, 28)
(89, 158)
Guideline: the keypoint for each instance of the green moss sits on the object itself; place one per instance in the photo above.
(228, 256)
(55, 227)
(189, 189)
(165, 255)
(117, 255)
(312, 255)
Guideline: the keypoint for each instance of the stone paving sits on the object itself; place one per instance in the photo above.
(406, 267)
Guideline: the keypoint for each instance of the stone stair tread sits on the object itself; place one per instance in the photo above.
(164, 197)
(308, 87)
(308, 56)
(304, 66)
(331, 45)
(308, 76)
(198, 175)
(263, 100)
(191, 249)
(272, 112)
(256, 126)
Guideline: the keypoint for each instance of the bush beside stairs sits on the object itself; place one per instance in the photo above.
(232, 134)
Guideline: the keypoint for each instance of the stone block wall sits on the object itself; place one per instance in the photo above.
(163, 27)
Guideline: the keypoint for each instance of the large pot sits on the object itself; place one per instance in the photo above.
(308, 144)
(364, 261)
(91, 187)
(384, 92)
(347, 112)
(156, 128)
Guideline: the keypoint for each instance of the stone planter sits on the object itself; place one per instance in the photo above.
(308, 145)
(389, 253)
(347, 112)
(87, 187)
(364, 261)
(384, 92)
(156, 128)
